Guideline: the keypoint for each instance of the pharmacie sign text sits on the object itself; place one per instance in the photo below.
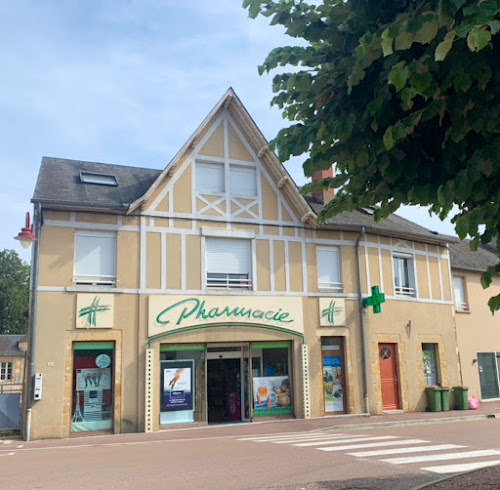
(168, 313)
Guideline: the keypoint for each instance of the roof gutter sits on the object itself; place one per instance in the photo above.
(81, 204)
(362, 324)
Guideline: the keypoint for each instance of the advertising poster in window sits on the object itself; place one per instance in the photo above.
(332, 382)
(271, 392)
(177, 385)
(93, 379)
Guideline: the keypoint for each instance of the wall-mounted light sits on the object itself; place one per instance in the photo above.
(26, 236)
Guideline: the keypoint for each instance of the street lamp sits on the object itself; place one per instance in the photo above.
(26, 236)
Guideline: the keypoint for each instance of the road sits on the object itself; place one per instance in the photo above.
(286, 455)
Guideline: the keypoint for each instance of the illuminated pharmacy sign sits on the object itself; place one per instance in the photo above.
(168, 313)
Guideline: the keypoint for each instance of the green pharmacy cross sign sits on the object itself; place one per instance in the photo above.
(375, 300)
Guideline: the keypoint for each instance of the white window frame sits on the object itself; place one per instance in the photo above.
(228, 283)
(210, 165)
(226, 168)
(81, 279)
(331, 286)
(6, 371)
(460, 306)
(410, 290)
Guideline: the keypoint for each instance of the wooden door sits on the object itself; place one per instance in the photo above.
(388, 376)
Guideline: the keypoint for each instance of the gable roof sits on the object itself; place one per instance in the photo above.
(392, 225)
(9, 345)
(462, 257)
(255, 138)
(59, 184)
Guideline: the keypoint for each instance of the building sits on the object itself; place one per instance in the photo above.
(207, 293)
(478, 331)
(12, 368)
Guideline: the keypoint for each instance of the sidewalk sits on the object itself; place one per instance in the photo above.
(334, 423)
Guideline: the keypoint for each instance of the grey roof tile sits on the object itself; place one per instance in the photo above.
(9, 345)
(462, 257)
(59, 183)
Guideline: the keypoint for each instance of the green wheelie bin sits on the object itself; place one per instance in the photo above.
(445, 399)
(434, 403)
(461, 397)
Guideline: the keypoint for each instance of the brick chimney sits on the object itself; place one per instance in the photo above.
(326, 195)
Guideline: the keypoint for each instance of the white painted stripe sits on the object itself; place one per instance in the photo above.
(372, 444)
(325, 439)
(286, 436)
(349, 440)
(459, 468)
(400, 450)
(443, 457)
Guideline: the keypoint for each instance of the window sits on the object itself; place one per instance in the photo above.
(460, 299)
(95, 258)
(228, 263)
(101, 179)
(5, 371)
(430, 364)
(404, 279)
(329, 269)
(210, 179)
(242, 181)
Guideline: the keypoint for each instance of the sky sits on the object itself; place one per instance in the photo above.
(125, 82)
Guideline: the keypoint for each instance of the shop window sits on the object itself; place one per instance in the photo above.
(5, 371)
(404, 277)
(333, 377)
(429, 355)
(95, 258)
(182, 383)
(460, 297)
(92, 406)
(329, 279)
(228, 263)
(272, 387)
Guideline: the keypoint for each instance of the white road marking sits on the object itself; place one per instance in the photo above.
(442, 457)
(400, 450)
(346, 441)
(372, 444)
(321, 439)
(282, 436)
(459, 468)
(7, 454)
(284, 440)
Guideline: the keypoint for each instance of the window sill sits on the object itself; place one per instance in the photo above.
(462, 312)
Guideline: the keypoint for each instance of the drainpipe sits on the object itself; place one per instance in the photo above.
(362, 324)
(37, 224)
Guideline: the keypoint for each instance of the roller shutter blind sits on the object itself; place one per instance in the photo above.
(228, 256)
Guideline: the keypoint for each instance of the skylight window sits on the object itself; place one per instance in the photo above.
(100, 179)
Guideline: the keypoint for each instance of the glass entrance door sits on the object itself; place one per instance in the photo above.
(228, 383)
(488, 374)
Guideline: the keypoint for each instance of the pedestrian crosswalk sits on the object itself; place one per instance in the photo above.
(402, 450)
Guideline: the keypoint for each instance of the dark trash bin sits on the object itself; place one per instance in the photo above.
(434, 403)
(461, 397)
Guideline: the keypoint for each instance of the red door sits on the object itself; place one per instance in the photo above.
(388, 376)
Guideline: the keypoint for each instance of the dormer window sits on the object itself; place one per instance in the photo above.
(99, 179)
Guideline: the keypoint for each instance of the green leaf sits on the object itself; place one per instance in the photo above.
(494, 26)
(386, 43)
(478, 38)
(443, 48)
(407, 96)
(461, 228)
(462, 81)
(427, 32)
(404, 41)
(398, 75)
(388, 139)
(421, 81)
(494, 303)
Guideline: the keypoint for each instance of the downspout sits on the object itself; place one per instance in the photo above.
(37, 224)
(362, 324)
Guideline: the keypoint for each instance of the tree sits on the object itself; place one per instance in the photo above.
(403, 97)
(14, 293)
